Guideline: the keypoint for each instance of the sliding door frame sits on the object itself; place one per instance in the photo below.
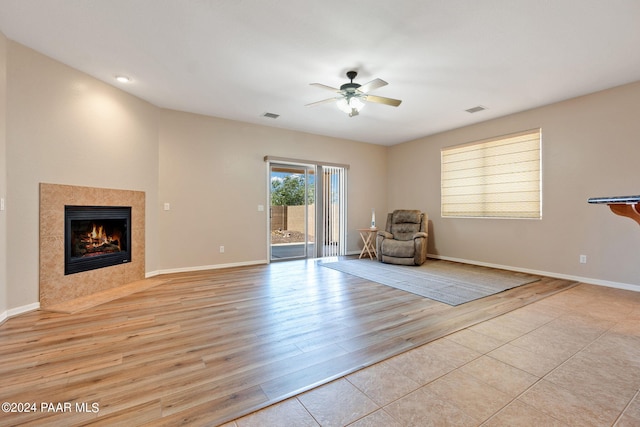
(291, 251)
(320, 202)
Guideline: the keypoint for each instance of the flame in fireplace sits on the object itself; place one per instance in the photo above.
(98, 237)
(97, 234)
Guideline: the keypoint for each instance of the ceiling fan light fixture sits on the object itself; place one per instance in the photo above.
(350, 106)
(356, 103)
(343, 105)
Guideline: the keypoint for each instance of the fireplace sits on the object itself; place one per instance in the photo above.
(96, 237)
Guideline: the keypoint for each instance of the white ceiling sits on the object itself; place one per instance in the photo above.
(238, 59)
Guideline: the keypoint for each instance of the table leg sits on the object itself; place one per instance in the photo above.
(364, 248)
(368, 246)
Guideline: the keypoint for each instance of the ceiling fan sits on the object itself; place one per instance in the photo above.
(351, 95)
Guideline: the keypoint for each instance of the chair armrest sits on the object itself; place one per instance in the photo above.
(420, 234)
(385, 234)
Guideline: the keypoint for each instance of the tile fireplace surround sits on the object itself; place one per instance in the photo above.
(55, 287)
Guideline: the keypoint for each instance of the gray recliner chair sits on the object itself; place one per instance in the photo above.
(404, 240)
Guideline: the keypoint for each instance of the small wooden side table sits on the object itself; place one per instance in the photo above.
(368, 238)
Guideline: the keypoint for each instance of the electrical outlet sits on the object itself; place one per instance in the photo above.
(221, 249)
(583, 259)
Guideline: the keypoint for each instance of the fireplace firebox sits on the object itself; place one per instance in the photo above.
(96, 237)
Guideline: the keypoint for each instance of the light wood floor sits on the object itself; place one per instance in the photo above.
(205, 348)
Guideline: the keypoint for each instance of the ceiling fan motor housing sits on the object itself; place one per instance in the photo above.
(350, 87)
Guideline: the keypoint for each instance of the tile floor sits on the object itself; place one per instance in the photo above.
(572, 359)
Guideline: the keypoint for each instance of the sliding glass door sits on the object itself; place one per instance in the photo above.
(307, 210)
(292, 211)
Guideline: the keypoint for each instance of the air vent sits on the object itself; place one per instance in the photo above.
(271, 115)
(476, 109)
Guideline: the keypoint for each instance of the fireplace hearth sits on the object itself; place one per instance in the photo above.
(96, 237)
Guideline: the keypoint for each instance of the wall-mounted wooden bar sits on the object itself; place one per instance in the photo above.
(628, 206)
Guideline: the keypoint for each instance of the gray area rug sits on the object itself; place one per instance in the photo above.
(448, 282)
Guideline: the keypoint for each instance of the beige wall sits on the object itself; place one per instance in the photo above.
(590, 148)
(64, 127)
(207, 163)
(3, 174)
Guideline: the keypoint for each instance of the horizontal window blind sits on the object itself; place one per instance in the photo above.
(496, 178)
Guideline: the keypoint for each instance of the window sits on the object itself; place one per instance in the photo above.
(494, 178)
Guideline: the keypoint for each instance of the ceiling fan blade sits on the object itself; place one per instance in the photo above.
(373, 84)
(321, 86)
(324, 101)
(383, 100)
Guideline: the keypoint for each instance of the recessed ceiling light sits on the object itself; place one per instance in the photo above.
(123, 79)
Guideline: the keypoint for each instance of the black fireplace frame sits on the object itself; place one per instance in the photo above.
(74, 265)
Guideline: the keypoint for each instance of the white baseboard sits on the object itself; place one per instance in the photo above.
(203, 267)
(18, 310)
(592, 281)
